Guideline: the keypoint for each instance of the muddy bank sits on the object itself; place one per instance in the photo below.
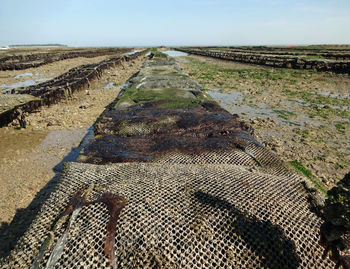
(303, 116)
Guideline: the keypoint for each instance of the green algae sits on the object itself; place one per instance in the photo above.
(307, 173)
(174, 97)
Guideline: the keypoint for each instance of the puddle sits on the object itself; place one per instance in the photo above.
(344, 108)
(333, 95)
(64, 141)
(24, 75)
(232, 102)
(229, 99)
(25, 83)
(175, 53)
(112, 86)
(131, 52)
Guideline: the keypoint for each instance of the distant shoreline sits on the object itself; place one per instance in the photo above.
(37, 45)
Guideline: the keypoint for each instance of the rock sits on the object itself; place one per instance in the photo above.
(335, 232)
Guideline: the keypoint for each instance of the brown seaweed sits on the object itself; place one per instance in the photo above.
(114, 204)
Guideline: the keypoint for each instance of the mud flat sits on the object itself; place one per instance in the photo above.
(30, 158)
(303, 116)
(179, 182)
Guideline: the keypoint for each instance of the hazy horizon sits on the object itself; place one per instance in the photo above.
(109, 23)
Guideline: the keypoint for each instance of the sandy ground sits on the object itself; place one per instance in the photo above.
(303, 116)
(31, 157)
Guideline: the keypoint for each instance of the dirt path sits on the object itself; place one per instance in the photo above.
(30, 157)
(303, 116)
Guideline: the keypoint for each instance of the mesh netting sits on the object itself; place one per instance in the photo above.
(181, 216)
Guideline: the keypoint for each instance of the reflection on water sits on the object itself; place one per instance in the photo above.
(113, 86)
(333, 95)
(233, 102)
(131, 52)
(26, 83)
(110, 85)
(24, 75)
(175, 53)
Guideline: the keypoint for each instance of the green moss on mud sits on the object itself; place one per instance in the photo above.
(158, 53)
(307, 173)
(208, 72)
(175, 98)
(180, 103)
(321, 106)
(284, 114)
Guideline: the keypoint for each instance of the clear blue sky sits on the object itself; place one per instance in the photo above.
(176, 22)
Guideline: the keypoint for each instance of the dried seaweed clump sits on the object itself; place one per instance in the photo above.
(114, 203)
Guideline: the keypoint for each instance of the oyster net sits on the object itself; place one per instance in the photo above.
(181, 216)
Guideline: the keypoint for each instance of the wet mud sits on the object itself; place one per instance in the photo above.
(302, 116)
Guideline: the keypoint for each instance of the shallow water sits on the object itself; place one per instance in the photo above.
(24, 75)
(232, 98)
(25, 83)
(175, 53)
(232, 102)
(131, 52)
(110, 85)
(333, 95)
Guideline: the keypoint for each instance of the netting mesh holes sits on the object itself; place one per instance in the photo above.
(181, 216)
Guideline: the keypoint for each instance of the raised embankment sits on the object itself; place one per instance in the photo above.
(30, 98)
(172, 180)
(19, 62)
(280, 61)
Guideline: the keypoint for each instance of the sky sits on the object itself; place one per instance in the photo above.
(174, 23)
